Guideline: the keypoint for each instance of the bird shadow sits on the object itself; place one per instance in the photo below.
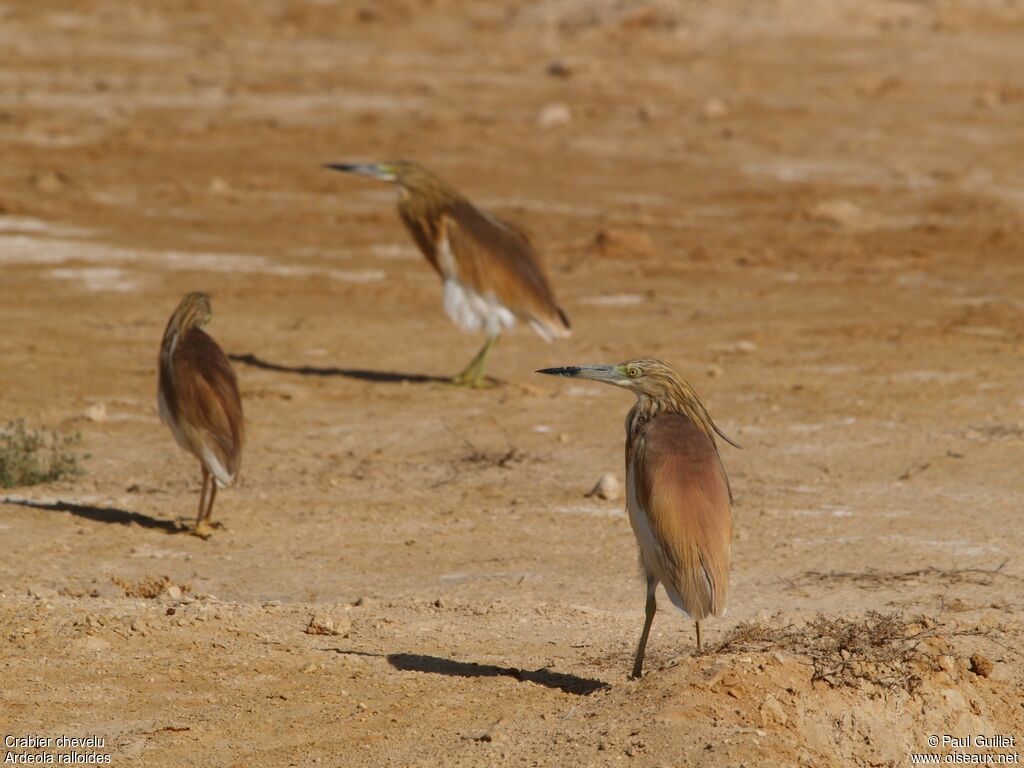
(415, 662)
(437, 665)
(101, 514)
(362, 374)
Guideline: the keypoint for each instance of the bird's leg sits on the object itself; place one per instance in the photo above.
(202, 530)
(202, 496)
(700, 649)
(473, 374)
(652, 607)
(209, 507)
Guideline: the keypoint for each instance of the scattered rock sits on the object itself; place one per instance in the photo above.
(41, 592)
(492, 734)
(840, 213)
(96, 412)
(218, 186)
(980, 665)
(772, 711)
(323, 624)
(947, 663)
(622, 244)
(50, 181)
(174, 591)
(558, 68)
(89, 644)
(646, 112)
(554, 115)
(712, 109)
(741, 347)
(608, 488)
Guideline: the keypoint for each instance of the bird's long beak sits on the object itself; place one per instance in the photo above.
(381, 171)
(607, 373)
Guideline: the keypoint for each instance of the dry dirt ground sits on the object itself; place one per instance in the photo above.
(814, 209)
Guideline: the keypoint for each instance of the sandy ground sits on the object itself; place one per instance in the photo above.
(814, 209)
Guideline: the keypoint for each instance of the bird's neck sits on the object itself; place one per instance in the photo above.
(177, 327)
(680, 400)
(427, 203)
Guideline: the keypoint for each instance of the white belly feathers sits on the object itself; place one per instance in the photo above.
(472, 311)
(469, 309)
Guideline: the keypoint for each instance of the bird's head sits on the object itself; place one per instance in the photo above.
(194, 311)
(412, 177)
(645, 376)
(655, 383)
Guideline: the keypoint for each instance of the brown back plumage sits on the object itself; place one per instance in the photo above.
(491, 256)
(198, 391)
(682, 488)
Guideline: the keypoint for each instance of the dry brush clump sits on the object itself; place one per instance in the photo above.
(27, 457)
(885, 650)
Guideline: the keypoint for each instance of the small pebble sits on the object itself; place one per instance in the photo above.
(96, 412)
(558, 68)
(554, 115)
(607, 488)
(980, 665)
(714, 108)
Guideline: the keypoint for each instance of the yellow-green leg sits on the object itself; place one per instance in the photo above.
(651, 609)
(202, 530)
(473, 374)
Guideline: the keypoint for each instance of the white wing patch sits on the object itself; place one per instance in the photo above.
(216, 468)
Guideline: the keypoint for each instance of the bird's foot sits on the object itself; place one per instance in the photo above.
(203, 530)
(471, 380)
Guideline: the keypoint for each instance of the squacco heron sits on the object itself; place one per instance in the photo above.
(677, 492)
(490, 270)
(199, 400)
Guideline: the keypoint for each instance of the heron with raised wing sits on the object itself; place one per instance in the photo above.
(489, 269)
(199, 400)
(677, 492)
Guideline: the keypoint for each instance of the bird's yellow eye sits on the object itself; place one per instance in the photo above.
(632, 371)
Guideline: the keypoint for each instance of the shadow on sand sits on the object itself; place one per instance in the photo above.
(436, 665)
(380, 377)
(100, 514)
(414, 662)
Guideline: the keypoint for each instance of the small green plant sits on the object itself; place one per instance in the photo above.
(27, 458)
